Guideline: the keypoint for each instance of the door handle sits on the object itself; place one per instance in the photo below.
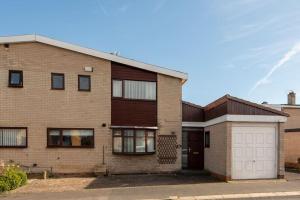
(253, 160)
(190, 149)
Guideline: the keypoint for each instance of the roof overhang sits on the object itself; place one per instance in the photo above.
(237, 118)
(91, 52)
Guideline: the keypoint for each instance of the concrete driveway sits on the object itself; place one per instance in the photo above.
(158, 187)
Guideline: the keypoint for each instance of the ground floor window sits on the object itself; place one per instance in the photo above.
(133, 141)
(13, 137)
(66, 137)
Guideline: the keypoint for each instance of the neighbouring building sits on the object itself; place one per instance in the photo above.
(242, 140)
(77, 110)
(291, 127)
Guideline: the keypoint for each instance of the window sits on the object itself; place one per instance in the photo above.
(139, 90)
(57, 81)
(84, 83)
(64, 137)
(13, 137)
(207, 139)
(133, 141)
(15, 78)
(117, 88)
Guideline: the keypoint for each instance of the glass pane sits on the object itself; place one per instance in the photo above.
(15, 78)
(117, 88)
(57, 81)
(13, 137)
(128, 133)
(84, 82)
(184, 150)
(54, 138)
(150, 144)
(117, 132)
(140, 141)
(140, 90)
(117, 144)
(128, 141)
(77, 138)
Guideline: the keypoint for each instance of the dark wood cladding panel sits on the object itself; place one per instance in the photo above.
(191, 113)
(217, 111)
(126, 112)
(120, 71)
(133, 113)
(238, 108)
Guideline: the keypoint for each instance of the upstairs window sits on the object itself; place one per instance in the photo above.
(117, 88)
(57, 81)
(84, 83)
(15, 78)
(13, 137)
(137, 90)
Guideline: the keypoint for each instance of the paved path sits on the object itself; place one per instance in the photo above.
(165, 191)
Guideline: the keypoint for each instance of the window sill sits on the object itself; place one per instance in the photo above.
(124, 99)
(81, 90)
(133, 154)
(15, 86)
(14, 147)
(70, 147)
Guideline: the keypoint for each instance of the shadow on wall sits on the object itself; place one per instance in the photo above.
(114, 181)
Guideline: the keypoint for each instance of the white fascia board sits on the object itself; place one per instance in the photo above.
(91, 52)
(193, 124)
(136, 127)
(236, 118)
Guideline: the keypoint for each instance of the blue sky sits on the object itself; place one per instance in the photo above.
(247, 48)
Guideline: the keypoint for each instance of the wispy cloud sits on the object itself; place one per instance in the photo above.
(123, 8)
(286, 57)
(159, 5)
(101, 7)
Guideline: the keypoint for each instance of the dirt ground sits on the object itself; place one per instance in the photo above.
(117, 181)
(55, 185)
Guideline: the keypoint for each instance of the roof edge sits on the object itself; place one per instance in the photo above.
(45, 40)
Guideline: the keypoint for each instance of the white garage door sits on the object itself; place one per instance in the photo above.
(254, 152)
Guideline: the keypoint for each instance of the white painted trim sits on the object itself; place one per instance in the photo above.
(236, 118)
(91, 52)
(136, 127)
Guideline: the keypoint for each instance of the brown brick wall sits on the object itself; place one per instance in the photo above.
(37, 107)
(215, 157)
(292, 139)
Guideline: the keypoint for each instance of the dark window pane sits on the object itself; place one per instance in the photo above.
(207, 139)
(15, 78)
(71, 137)
(54, 138)
(84, 83)
(57, 81)
(77, 138)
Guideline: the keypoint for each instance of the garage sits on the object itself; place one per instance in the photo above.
(254, 154)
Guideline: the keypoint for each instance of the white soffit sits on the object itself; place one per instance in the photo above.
(91, 52)
(236, 118)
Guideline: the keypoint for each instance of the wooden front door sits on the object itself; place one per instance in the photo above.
(195, 150)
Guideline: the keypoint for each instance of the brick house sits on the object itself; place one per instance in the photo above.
(78, 110)
(291, 128)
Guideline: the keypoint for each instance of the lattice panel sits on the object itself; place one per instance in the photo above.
(167, 151)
